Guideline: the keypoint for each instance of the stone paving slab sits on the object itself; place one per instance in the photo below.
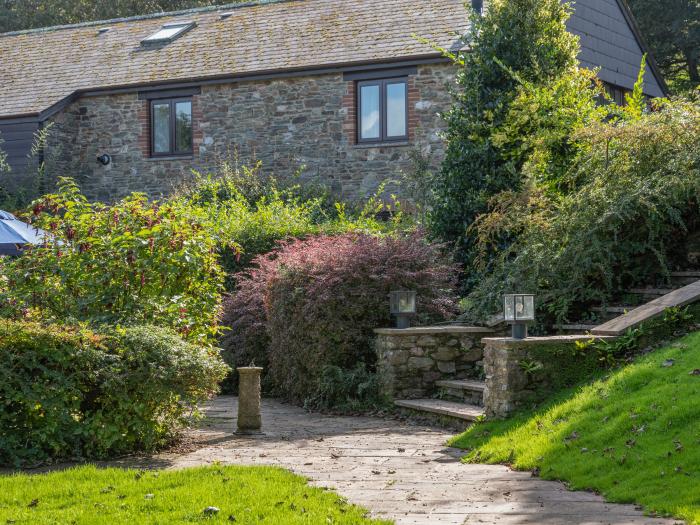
(398, 471)
(442, 407)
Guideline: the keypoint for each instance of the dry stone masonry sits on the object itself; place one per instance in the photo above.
(522, 372)
(411, 361)
(450, 362)
(302, 124)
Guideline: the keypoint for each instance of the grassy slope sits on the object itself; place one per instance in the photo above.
(88, 495)
(633, 436)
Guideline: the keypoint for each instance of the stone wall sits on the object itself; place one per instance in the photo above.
(288, 124)
(410, 361)
(521, 373)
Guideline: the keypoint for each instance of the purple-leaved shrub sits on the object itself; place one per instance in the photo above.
(313, 304)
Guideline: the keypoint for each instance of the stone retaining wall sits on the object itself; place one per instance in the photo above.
(524, 372)
(410, 361)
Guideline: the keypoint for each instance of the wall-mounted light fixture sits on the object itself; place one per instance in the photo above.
(104, 159)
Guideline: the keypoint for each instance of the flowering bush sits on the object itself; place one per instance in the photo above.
(313, 304)
(133, 262)
(68, 392)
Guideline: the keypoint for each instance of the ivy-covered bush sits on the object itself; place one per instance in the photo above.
(307, 310)
(67, 392)
(132, 262)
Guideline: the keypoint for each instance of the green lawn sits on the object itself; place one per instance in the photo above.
(243, 495)
(633, 436)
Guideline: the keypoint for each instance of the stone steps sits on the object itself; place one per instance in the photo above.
(442, 408)
(637, 305)
(462, 390)
(675, 298)
(462, 384)
(603, 314)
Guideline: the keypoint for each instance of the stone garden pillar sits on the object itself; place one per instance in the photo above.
(249, 419)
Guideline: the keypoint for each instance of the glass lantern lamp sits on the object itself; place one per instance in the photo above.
(403, 306)
(518, 310)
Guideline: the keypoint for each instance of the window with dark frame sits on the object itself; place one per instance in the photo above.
(171, 127)
(382, 110)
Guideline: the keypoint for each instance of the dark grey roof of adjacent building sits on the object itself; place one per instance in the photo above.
(611, 41)
(41, 68)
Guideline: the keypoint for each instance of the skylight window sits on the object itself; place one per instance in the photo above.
(168, 33)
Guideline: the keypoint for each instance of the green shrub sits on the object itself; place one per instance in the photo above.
(4, 165)
(313, 304)
(68, 392)
(542, 118)
(246, 206)
(635, 201)
(255, 214)
(347, 389)
(514, 41)
(129, 263)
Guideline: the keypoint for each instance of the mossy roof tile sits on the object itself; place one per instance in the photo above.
(39, 68)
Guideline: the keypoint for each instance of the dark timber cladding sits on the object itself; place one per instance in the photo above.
(16, 141)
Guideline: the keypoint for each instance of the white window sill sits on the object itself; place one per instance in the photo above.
(366, 145)
(175, 157)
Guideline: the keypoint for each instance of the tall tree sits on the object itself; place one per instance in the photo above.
(672, 30)
(515, 41)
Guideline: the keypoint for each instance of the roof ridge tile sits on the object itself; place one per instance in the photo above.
(148, 16)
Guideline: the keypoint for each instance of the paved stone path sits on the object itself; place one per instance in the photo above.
(397, 471)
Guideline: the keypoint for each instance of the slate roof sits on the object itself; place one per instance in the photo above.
(610, 40)
(40, 68)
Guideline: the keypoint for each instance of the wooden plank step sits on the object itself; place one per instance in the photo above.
(612, 309)
(462, 384)
(443, 408)
(575, 327)
(686, 273)
(650, 291)
(681, 297)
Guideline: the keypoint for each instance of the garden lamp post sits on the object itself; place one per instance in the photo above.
(518, 310)
(403, 306)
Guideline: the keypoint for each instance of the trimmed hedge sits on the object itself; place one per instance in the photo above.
(67, 392)
(307, 311)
